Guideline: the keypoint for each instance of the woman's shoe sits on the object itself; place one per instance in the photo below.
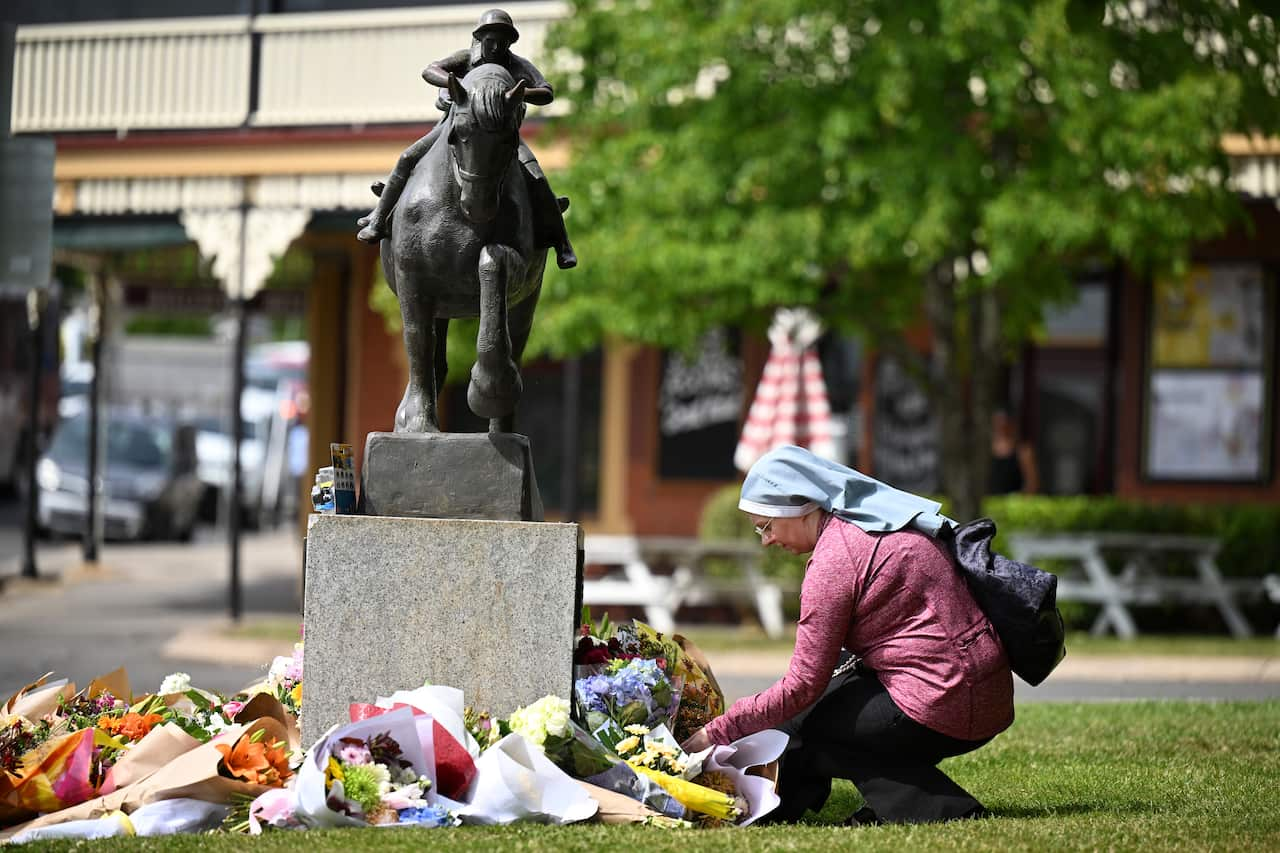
(862, 817)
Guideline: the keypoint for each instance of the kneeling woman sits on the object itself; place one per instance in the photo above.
(931, 679)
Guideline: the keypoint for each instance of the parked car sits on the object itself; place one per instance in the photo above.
(213, 455)
(148, 470)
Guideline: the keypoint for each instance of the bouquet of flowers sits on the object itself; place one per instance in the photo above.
(284, 680)
(547, 725)
(373, 772)
(369, 777)
(58, 747)
(256, 759)
(700, 696)
(621, 693)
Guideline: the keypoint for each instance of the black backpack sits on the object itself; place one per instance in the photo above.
(1020, 600)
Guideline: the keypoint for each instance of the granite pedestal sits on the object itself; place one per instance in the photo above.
(449, 475)
(485, 606)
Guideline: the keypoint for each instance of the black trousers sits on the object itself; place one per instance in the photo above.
(856, 732)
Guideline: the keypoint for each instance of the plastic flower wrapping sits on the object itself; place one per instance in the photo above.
(60, 747)
(101, 761)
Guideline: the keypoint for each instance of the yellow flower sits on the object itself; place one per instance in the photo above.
(628, 745)
(636, 729)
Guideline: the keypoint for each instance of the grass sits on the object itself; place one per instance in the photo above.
(1131, 776)
(750, 638)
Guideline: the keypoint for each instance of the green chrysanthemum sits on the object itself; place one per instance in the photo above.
(360, 786)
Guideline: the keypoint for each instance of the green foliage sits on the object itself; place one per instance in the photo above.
(722, 520)
(1119, 776)
(186, 325)
(888, 162)
(730, 157)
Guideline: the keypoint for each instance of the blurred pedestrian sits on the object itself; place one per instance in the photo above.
(1013, 461)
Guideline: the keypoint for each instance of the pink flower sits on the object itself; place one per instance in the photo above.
(230, 709)
(354, 751)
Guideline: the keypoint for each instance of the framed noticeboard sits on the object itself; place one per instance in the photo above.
(1209, 397)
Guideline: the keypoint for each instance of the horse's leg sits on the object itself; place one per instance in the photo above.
(495, 380)
(520, 323)
(417, 411)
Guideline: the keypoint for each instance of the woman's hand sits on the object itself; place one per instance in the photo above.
(697, 741)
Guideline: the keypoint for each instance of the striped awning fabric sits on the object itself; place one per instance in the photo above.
(790, 406)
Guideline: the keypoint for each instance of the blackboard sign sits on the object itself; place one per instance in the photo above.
(905, 437)
(700, 409)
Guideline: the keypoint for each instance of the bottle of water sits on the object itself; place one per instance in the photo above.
(322, 491)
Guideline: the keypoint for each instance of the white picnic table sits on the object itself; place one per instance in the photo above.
(1272, 585)
(1143, 578)
(634, 576)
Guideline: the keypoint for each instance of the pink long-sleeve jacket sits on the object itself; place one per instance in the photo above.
(896, 601)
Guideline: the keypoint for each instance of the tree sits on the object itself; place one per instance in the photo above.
(892, 162)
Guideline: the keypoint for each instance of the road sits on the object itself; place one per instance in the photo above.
(156, 608)
(91, 620)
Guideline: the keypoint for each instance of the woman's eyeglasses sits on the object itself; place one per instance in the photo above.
(762, 529)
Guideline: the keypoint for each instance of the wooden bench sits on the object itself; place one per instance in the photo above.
(1272, 585)
(1142, 579)
(633, 577)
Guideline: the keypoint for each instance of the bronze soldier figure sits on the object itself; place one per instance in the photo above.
(491, 43)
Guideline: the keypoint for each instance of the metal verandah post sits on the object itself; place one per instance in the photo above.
(35, 317)
(239, 310)
(97, 328)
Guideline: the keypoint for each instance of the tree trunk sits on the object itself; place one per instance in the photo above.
(964, 362)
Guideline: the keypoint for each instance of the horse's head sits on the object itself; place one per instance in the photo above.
(488, 106)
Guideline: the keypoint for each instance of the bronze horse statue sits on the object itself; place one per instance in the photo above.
(463, 243)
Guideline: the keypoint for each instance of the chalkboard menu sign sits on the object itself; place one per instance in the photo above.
(905, 437)
(700, 408)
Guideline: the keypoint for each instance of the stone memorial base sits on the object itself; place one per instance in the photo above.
(391, 603)
(449, 475)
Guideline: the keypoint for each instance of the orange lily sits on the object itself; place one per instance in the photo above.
(256, 762)
(132, 726)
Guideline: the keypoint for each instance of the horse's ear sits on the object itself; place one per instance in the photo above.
(456, 91)
(516, 93)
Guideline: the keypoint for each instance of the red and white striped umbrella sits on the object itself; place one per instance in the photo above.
(790, 406)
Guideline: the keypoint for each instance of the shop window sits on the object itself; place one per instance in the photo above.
(1068, 393)
(1208, 383)
(1070, 402)
(1081, 322)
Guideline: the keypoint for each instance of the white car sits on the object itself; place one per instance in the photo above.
(213, 455)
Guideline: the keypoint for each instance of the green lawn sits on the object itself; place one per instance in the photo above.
(1123, 776)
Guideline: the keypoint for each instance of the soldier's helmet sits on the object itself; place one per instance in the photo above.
(499, 21)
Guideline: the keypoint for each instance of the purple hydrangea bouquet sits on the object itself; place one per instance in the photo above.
(611, 696)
